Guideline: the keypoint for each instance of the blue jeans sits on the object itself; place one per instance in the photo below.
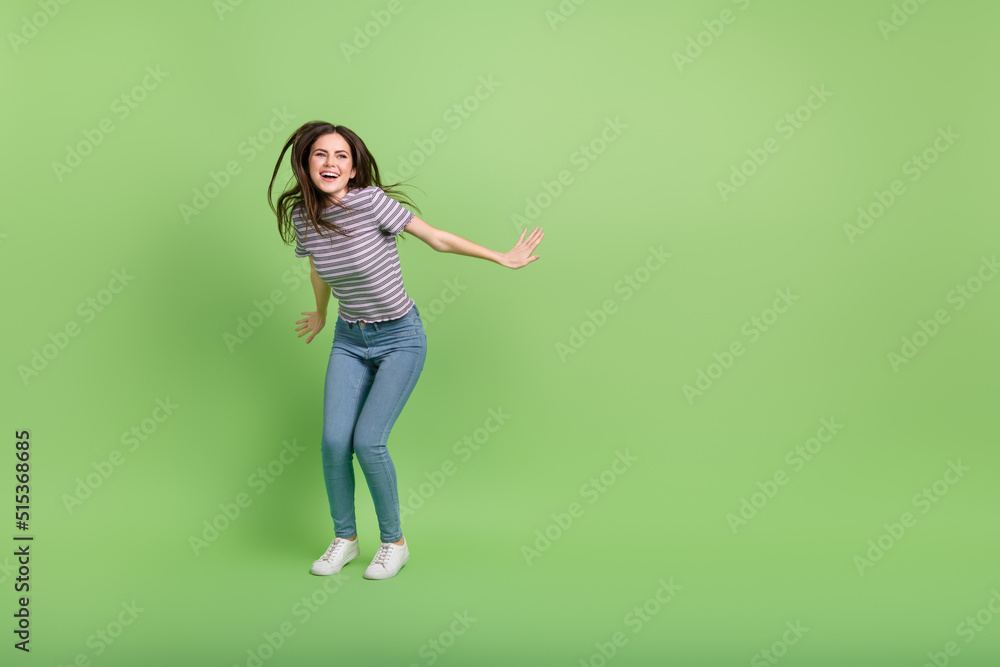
(372, 371)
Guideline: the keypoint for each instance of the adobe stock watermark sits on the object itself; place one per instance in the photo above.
(796, 458)
(122, 107)
(635, 619)
(363, 35)
(246, 326)
(132, 439)
(924, 500)
(223, 7)
(104, 637)
(779, 648)
(562, 12)
(753, 329)
(592, 490)
(698, 43)
(968, 629)
(248, 149)
(304, 609)
(786, 126)
(31, 24)
(915, 167)
(7, 569)
(464, 449)
(434, 648)
(899, 17)
(264, 308)
(434, 308)
(455, 116)
(581, 158)
(628, 285)
(87, 310)
(259, 481)
(927, 330)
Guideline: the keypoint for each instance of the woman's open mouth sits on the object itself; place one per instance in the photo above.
(328, 176)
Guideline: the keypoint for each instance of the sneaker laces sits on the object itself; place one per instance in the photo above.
(382, 555)
(337, 544)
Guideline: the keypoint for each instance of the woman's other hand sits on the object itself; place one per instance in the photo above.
(520, 255)
(314, 323)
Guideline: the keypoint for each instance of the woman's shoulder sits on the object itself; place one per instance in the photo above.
(369, 191)
(367, 197)
(349, 198)
(366, 192)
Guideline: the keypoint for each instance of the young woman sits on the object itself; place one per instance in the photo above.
(340, 215)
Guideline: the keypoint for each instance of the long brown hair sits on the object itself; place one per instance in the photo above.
(305, 195)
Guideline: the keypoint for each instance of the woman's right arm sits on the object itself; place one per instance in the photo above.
(315, 320)
(320, 288)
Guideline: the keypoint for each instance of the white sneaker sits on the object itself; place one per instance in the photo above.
(341, 551)
(388, 560)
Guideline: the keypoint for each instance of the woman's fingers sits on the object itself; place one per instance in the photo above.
(534, 238)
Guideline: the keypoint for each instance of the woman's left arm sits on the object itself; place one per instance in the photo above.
(442, 241)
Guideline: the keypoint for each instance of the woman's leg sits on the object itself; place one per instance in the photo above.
(348, 380)
(400, 360)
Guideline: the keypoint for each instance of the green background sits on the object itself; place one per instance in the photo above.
(495, 346)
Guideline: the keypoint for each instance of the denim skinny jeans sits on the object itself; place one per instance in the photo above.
(373, 369)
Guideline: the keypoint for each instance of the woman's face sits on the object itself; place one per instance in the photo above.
(330, 165)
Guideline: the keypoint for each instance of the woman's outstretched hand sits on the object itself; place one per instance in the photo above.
(314, 323)
(520, 254)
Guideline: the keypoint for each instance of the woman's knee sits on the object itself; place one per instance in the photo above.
(370, 450)
(337, 445)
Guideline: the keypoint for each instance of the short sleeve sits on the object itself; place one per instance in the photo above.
(390, 214)
(300, 250)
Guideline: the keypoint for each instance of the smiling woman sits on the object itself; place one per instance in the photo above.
(339, 215)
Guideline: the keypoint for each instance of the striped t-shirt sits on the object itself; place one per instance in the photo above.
(362, 269)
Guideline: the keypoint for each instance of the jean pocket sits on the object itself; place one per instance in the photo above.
(404, 326)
